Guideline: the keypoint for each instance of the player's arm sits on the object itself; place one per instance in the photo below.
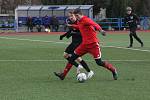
(125, 23)
(67, 34)
(96, 26)
(89, 22)
(73, 26)
(138, 20)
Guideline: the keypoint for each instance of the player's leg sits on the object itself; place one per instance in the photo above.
(67, 68)
(136, 37)
(69, 51)
(80, 50)
(84, 64)
(108, 66)
(63, 74)
(96, 52)
(131, 39)
(67, 55)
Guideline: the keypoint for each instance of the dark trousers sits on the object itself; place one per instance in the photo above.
(133, 34)
(30, 29)
(55, 27)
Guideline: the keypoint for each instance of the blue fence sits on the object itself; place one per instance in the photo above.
(23, 20)
(108, 23)
(7, 23)
(118, 23)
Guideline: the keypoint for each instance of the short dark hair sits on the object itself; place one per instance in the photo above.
(71, 12)
(78, 11)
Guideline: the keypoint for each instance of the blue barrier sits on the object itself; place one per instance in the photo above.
(10, 26)
(118, 23)
(23, 20)
(108, 23)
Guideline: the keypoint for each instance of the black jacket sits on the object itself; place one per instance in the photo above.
(75, 34)
(131, 20)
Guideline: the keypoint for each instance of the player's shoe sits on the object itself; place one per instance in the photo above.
(130, 46)
(115, 75)
(90, 74)
(79, 68)
(60, 75)
(142, 45)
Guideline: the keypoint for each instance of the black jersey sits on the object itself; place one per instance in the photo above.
(76, 35)
(132, 20)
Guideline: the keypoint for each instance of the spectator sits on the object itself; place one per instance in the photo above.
(55, 23)
(38, 23)
(30, 24)
(46, 23)
(133, 21)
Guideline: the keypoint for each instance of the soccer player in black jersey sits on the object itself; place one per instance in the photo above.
(133, 22)
(76, 41)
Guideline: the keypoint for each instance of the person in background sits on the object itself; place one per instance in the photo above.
(38, 23)
(133, 21)
(46, 23)
(55, 23)
(30, 24)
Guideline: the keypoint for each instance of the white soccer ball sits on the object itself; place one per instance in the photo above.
(46, 30)
(81, 77)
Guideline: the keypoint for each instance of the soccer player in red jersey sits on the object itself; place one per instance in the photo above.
(90, 42)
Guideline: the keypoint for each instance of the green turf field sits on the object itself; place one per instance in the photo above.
(27, 63)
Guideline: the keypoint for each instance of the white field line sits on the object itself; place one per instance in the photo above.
(34, 40)
(68, 43)
(65, 60)
(127, 48)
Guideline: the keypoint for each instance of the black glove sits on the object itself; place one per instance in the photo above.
(61, 37)
(68, 36)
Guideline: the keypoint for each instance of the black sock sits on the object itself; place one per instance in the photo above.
(83, 63)
(74, 63)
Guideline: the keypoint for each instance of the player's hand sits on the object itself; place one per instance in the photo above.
(103, 32)
(69, 25)
(68, 36)
(61, 37)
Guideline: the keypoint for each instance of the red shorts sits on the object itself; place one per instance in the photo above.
(93, 49)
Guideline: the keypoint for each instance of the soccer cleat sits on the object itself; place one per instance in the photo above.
(142, 45)
(130, 46)
(90, 74)
(60, 75)
(115, 75)
(79, 68)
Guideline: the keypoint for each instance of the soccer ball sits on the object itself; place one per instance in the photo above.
(47, 30)
(81, 77)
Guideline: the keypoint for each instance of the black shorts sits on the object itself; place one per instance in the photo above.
(133, 30)
(71, 47)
